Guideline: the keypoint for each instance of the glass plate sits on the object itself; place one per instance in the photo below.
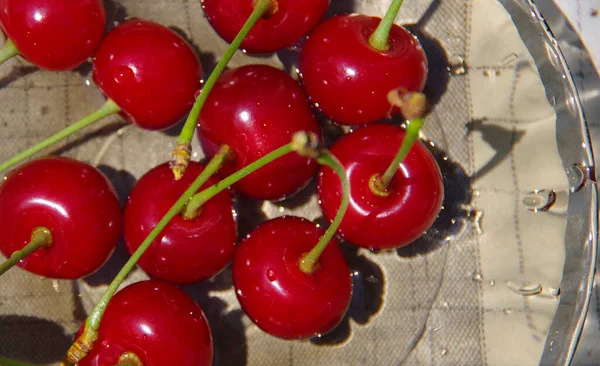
(504, 275)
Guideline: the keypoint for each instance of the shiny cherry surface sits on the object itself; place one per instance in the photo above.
(256, 109)
(54, 34)
(149, 71)
(157, 322)
(186, 250)
(282, 300)
(291, 21)
(373, 221)
(70, 198)
(348, 79)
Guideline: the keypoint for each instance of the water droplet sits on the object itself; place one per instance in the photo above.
(162, 265)
(435, 328)
(244, 51)
(492, 283)
(527, 289)
(508, 311)
(443, 352)
(456, 66)
(476, 276)
(124, 75)
(446, 306)
(576, 177)
(553, 291)
(540, 200)
(271, 275)
(491, 73)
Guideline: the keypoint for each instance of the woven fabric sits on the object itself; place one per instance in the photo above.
(448, 299)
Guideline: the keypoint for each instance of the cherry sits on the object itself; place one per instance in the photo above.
(255, 109)
(149, 71)
(152, 323)
(348, 79)
(378, 221)
(53, 34)
(287, 22)
(74, 201)
(186, 250)
(280, 298)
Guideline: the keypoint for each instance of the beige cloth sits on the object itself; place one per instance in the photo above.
(493, 109)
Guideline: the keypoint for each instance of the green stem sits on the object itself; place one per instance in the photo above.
(84, 343)
(129, 359)
(40, 238)
(192, 209)
(379, 38)
(412, 134)
(182, 153)
(199, 199)
(308, 262)
(107, 109)
(8, 51)
(4, 361)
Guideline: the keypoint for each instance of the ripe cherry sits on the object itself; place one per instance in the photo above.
(280, 298)
(149, 71)
(255, 109)
(54, 34)
(348, 79)
(152, 323)
(186, 250)
(288, 21)
(74, 201)
(382, 221)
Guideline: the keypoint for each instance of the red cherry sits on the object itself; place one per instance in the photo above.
(256, 109)
(186, 250)
(71, 199)
(149, 71)
(373, 221)
(348, 79)
(291, 21)
(54, 34)
(158, 323)
(282, 300)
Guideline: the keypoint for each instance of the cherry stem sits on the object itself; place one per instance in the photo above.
(192, 209)
(4, 361)
(307, 144)
(40, 238)
(200, 198)
(379, 38)
(110, 107)
(182, 153)
(129, 359)
(412, 135)
(84, 343)
(309, 261)
(8, 51)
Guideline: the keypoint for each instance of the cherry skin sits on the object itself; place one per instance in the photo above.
(415, 194)
(71, 199)
(348, 79)
(256, 109)
(158, 323)
(54, 34)
(149, 71)
(289, 22)
(282, 300)
(186, 250)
